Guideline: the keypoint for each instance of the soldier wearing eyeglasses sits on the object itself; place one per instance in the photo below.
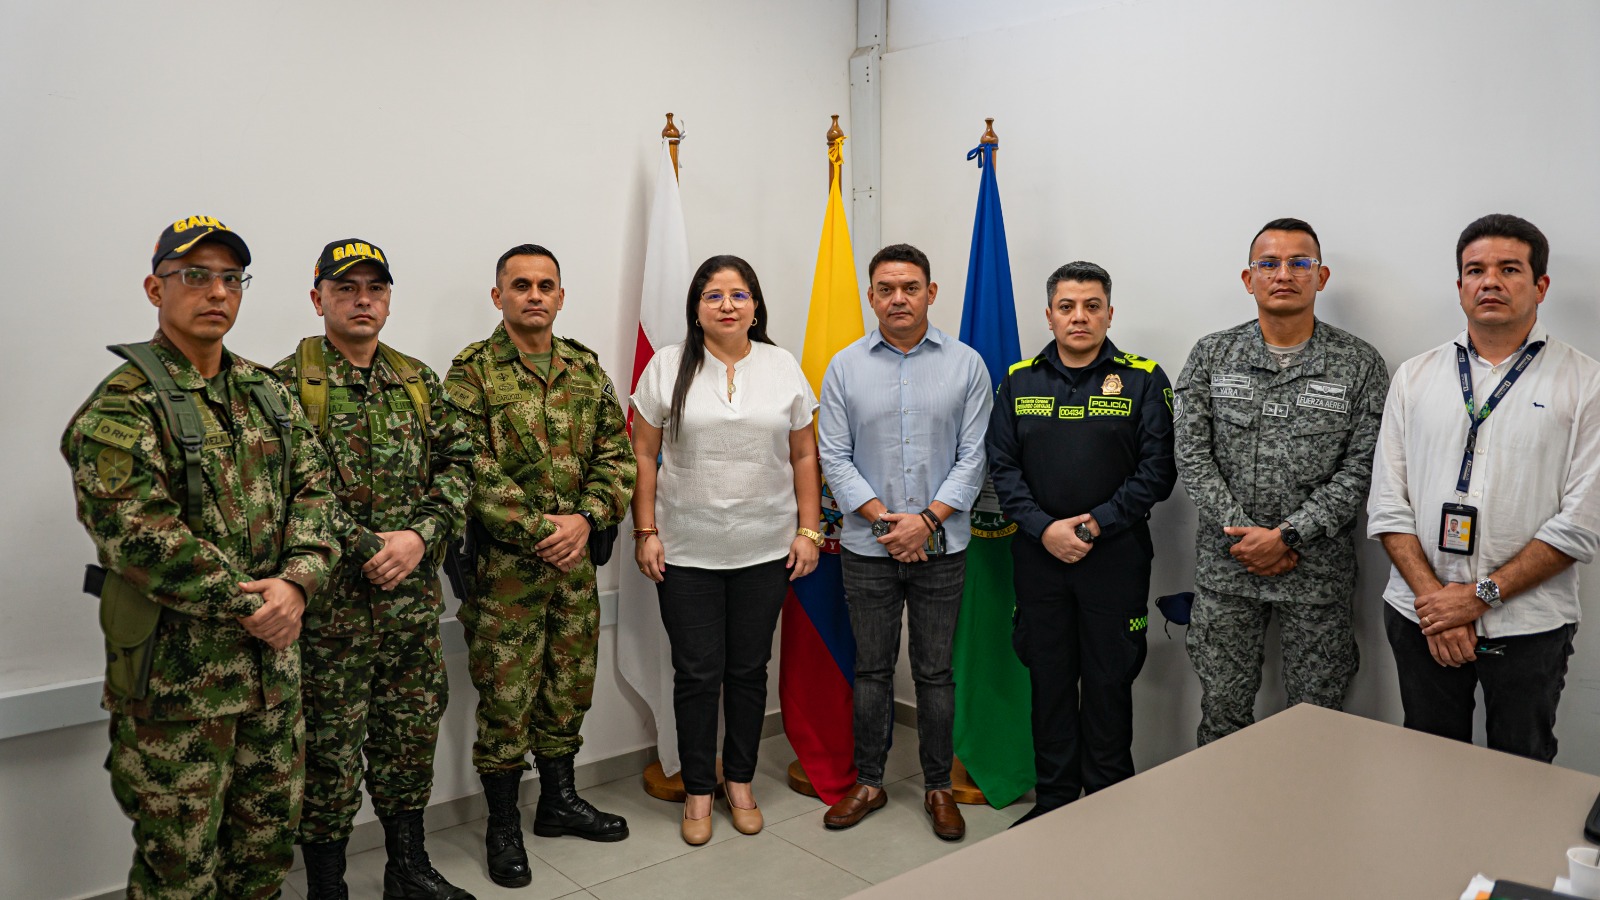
(1276, 423)
(206, 495)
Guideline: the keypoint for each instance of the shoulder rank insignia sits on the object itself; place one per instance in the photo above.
(128, 380)
(1112, 386)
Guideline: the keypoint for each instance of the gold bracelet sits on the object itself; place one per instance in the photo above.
(644, 532)
(814, 537)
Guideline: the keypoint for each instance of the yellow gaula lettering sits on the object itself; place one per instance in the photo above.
(180, 226)
(338, 254)
(378, 255)
(363, 250)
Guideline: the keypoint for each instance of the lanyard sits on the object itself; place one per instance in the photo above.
(1477, 416)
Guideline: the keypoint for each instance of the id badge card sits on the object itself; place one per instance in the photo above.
(1458, 529)
(934, 545)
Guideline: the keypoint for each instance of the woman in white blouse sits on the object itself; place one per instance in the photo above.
(729, 518)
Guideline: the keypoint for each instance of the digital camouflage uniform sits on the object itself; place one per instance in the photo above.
(1258, 446)
(541, 447)
(372, 663)
(209, 764)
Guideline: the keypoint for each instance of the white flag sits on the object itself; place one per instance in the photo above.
(643, 654)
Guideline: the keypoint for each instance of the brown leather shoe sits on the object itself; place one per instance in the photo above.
(854, 806)
(947, 822)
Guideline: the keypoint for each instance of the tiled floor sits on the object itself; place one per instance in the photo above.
(793, 857)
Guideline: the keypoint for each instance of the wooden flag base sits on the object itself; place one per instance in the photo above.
(658, 785)
(962, 787)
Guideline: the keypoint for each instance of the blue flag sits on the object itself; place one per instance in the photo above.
(993, 729)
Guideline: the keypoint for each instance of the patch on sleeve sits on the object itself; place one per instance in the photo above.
(127, 381)
(116, 434)
(114, 467)
(461, 394)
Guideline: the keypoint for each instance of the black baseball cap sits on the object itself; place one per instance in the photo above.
(181, 236)
(340, 256)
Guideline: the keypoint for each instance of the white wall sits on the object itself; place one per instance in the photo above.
(1156, 136)
(445, 133)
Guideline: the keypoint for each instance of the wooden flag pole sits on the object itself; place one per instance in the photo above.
(656, 782)
(672, 136)
(799, 782)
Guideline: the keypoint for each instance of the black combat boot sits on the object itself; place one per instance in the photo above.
(562, 811)
(325, 870)
(409, 875)
(508, 861)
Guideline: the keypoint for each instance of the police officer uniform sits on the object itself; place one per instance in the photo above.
(1261, 443)
(1062, 442)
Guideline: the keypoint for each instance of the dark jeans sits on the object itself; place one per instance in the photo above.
(877, 589)
(1080, 630)
(1520, 690)
(720, 624)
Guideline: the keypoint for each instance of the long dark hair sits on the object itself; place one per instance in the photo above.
(694, 345)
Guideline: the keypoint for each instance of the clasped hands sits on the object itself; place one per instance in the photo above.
(1446, 615)
(1061, 538)
(1261, 550)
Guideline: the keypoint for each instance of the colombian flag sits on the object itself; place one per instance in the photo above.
(817, 668)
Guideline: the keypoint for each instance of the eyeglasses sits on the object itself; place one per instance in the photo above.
(233, 279)
(1299, 266)
(714, 298)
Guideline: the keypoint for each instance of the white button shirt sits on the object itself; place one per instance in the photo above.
(1533, 476)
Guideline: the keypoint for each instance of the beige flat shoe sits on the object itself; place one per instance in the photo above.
(745, 821)
(695, 831)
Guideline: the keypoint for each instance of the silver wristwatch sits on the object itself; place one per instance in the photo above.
(1489, 592)
(1084, 533)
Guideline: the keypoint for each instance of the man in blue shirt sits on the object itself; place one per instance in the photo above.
(900, 432)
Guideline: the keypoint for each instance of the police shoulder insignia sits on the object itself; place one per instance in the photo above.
(1135, 361)
(114, 467)
(1112, 386)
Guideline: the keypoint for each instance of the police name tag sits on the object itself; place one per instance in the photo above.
(1458, 529)
(1234, 387)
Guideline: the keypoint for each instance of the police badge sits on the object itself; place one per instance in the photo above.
(1112, 386)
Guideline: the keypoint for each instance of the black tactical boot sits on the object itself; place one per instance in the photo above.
(508, 861)
(409, 875)
(562, 811)
(325, 870)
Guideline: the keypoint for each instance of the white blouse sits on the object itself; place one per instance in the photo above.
(725, 489)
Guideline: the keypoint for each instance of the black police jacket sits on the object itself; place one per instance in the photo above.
(1098, 440)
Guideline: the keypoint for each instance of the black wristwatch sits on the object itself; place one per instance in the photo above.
(1291, 535)
(590, 519)
(881, 527)
(1083, 533)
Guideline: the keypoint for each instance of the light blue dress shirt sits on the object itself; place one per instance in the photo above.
(906, 428)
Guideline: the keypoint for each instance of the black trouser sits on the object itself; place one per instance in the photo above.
(720, 624)
(1520, 690)
(1080, 630)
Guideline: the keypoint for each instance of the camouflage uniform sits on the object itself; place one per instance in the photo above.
(556, 445)
(1258, 446)
(372, 663)
(209, 764)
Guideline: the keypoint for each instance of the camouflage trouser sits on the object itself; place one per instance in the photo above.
(378, 694)
(214, 802)
(1226, 638)
(531, 644)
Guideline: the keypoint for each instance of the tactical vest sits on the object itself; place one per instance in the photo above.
(312, 364)
(128, 618)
